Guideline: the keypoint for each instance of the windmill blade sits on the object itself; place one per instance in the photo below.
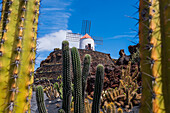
(98, 40)
(73, 37)
(86, 25)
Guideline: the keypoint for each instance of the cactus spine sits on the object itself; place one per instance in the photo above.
(144, 39)
(158, 57)
(40, 99)
(78, 103)
(98, 88)
(85, 73)
(66, 77)
(16, 58)
(165, 30)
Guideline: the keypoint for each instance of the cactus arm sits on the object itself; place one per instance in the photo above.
(40, 100)
(165, 33)
(27, 56)
(98, 89)
(85, 73)
(8, 49)
(66, 77)
(78, 107)
(145, 68)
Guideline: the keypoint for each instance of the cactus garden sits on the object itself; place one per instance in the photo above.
(84, 78)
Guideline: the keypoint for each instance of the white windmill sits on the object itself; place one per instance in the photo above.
(85, 40)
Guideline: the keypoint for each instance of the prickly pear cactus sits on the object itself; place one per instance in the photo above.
(18, 26)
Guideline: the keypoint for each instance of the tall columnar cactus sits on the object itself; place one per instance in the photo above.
(144, 39)
(151, 59)
(85, 73)
(78, 103)
(66, 77)
(165, 39)
(18, 26)
(98, 88)
(40, 100)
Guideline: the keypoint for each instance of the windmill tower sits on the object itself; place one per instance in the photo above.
(85, 40)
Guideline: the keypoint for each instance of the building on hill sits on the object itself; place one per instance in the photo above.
(87, 42)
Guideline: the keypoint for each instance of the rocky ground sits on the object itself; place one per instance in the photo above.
(51, 68)
(55, 105)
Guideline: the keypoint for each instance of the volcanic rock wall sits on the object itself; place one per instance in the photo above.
(51, 67)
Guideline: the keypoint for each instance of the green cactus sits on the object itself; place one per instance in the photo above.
(59, 89)
(164, 6)
(153, 78)
(119, 110)
(61, 111)
(66, 77)
(98, 88)
(17, 53)
(85, 73)
(78, 103)
(40, 100)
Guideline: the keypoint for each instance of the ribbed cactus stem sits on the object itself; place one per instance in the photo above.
(85, 73)
(66, 77)
(119, 110)
(61, 111)
(29, 38)
(144, 39)
(8, 55)
(113, 107)
(18, 29)
(165, 49)
(78, 103)
(40, 100)
(98, 88)
(151, 76)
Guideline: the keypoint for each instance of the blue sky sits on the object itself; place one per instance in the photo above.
(108, 21)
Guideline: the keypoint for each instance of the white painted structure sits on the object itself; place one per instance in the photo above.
(87, 42)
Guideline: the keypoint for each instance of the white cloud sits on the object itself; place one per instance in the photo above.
(121, 36)
(54, 40)
(52, 9)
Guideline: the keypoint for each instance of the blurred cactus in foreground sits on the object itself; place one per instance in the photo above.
(19, 20)
(153, 38)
